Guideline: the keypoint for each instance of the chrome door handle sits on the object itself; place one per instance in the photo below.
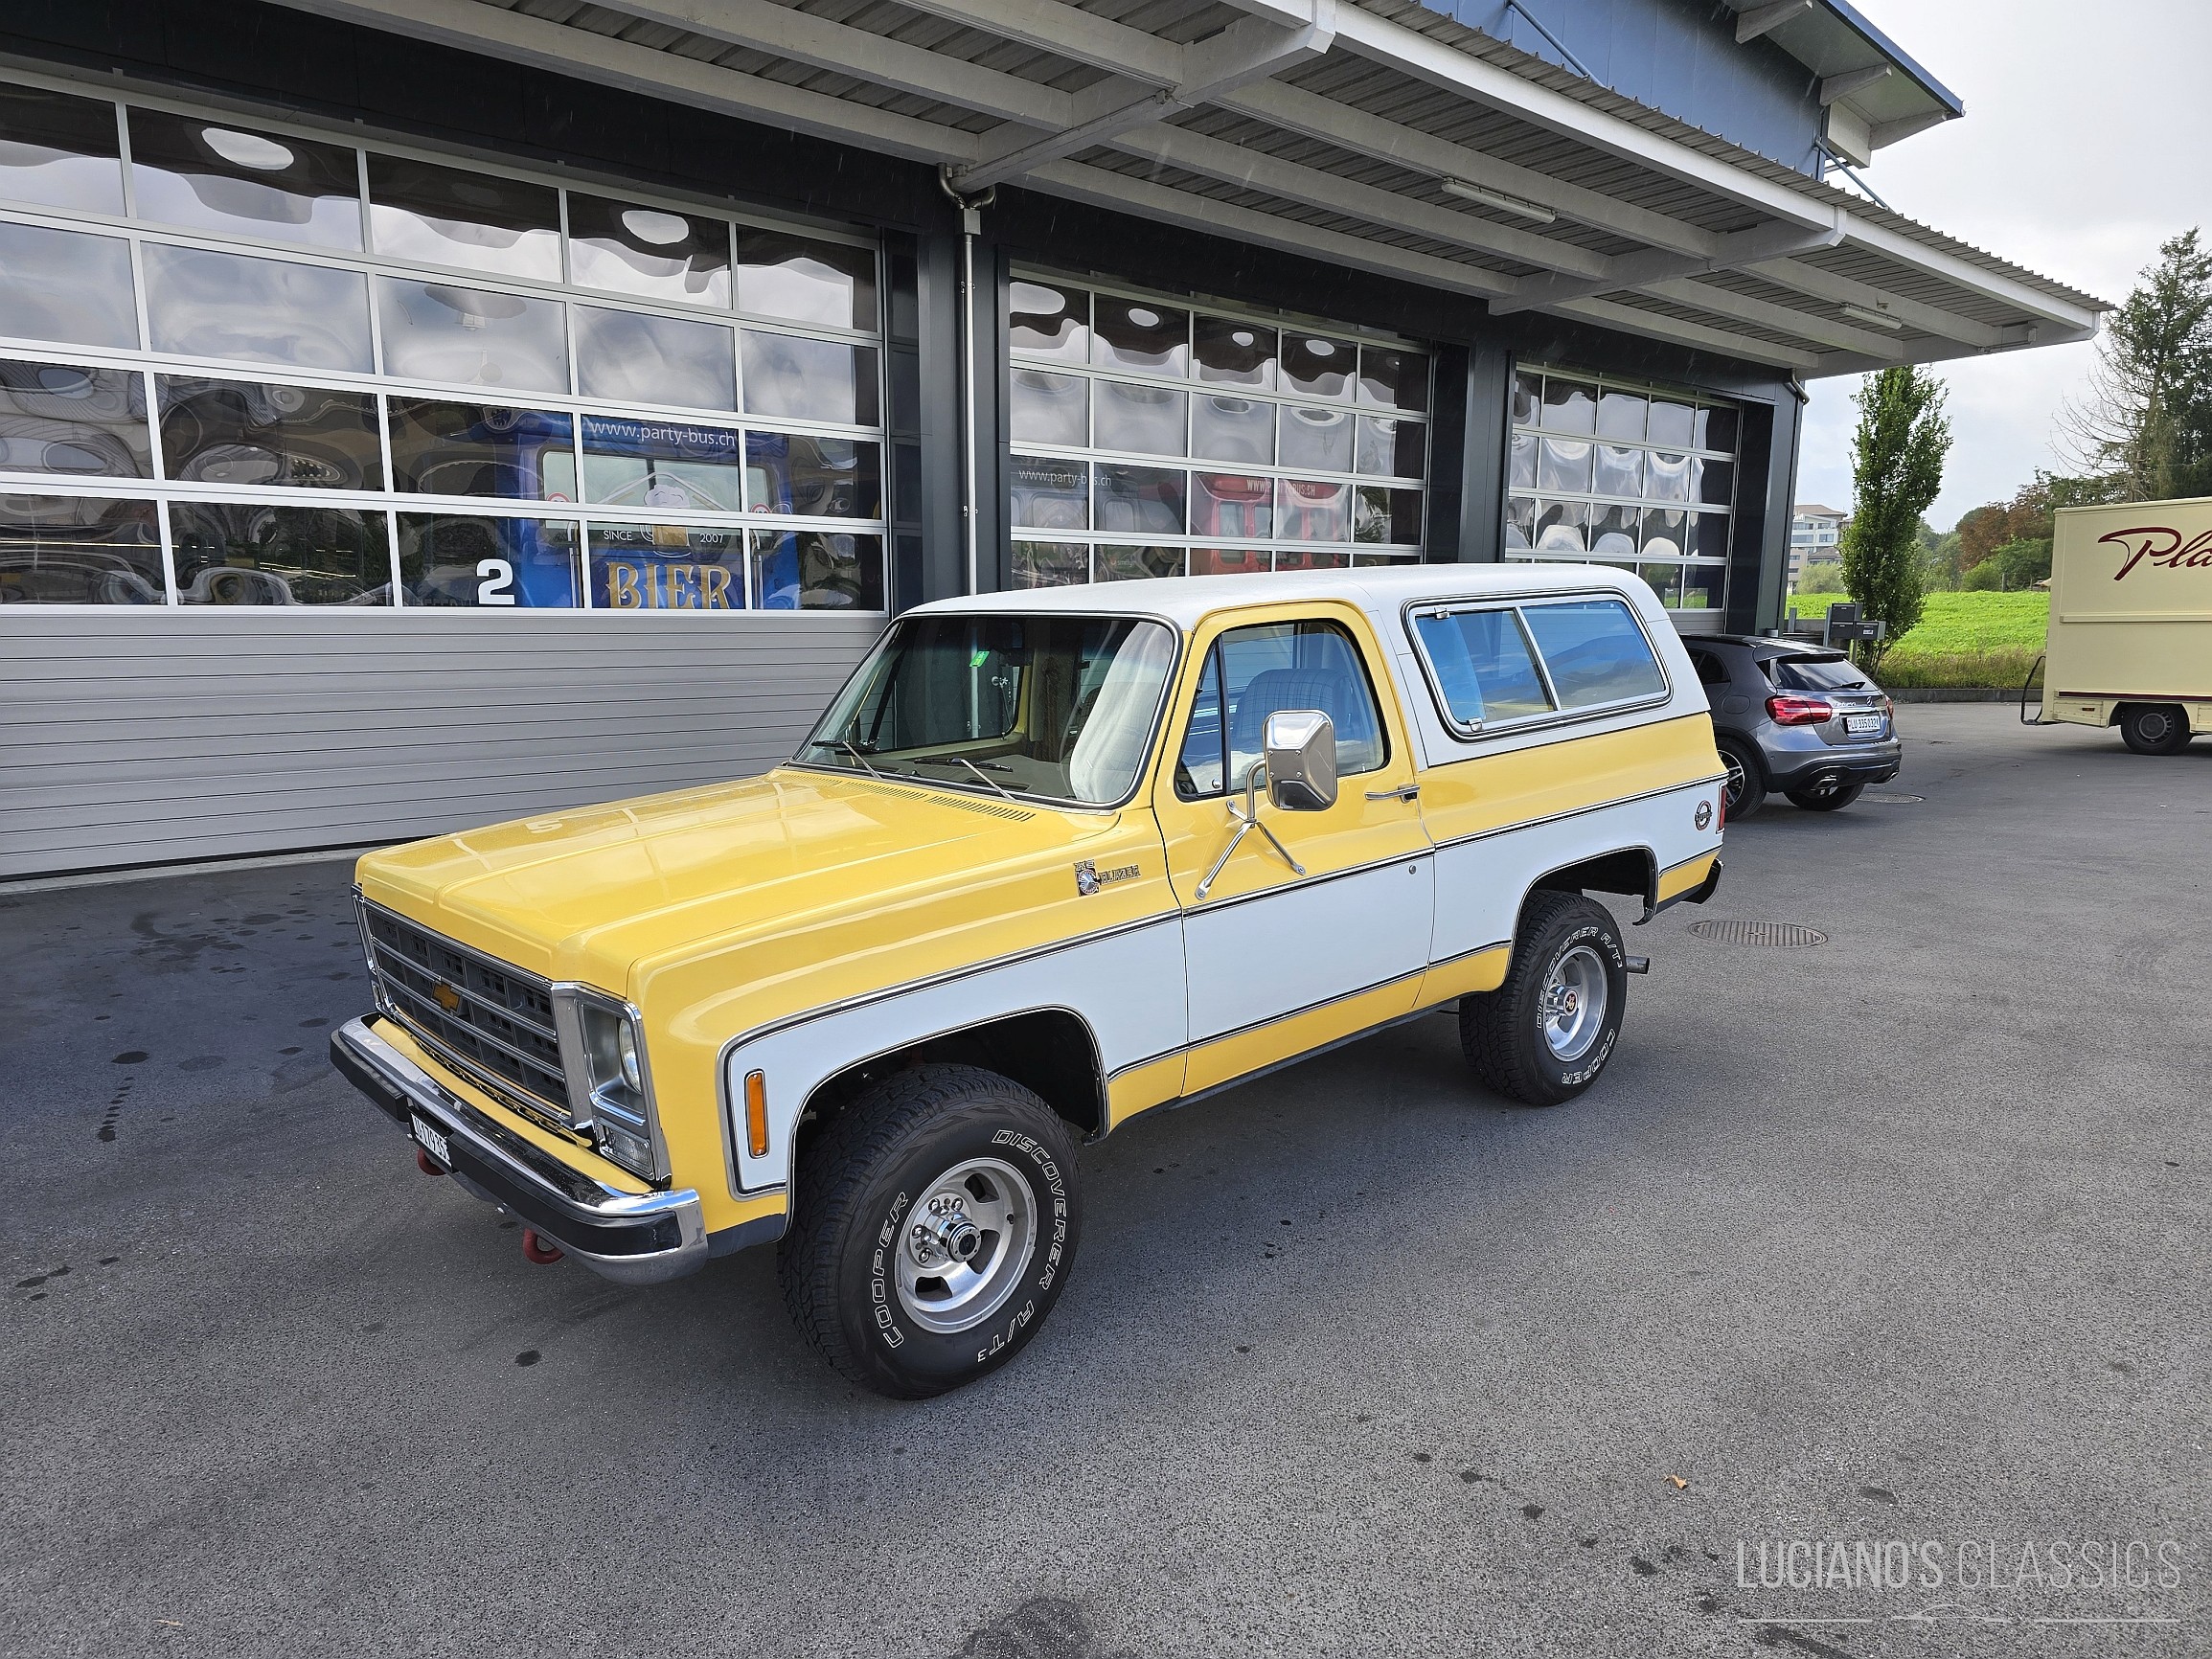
(1404, 792)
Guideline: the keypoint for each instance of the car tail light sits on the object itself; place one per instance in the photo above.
(1786, 710)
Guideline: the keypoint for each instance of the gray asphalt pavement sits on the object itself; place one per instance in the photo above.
(1900, 1237)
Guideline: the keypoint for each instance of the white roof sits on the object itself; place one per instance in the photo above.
(1186, 600)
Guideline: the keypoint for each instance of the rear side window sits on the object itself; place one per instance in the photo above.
(1814, 673)
(1595, 652)
(1483, 666)
(1504, 663)
(1710, 671)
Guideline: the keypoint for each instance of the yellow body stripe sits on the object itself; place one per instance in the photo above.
(1499, 789)
(1465, 976)
(1675, 882)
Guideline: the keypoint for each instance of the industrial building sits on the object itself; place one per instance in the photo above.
(420, 412)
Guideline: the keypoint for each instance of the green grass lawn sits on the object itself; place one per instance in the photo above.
(1962, 639)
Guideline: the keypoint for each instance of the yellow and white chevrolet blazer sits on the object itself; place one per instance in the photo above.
(1051, 859)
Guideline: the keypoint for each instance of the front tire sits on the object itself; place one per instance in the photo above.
(1545, 1035)
(2154, 728)
(937, 1219)
(1744, 790)
(1833, 799)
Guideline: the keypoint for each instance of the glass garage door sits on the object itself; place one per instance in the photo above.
(1149, 438)
(1608, 472)
(244, 364)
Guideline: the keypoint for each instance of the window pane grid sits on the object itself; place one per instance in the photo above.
(1630, 476)
(275, 296)
(1151, 435)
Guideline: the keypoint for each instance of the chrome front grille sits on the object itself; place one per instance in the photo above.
(492, 1021)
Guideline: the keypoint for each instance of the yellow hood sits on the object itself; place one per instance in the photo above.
(590, 895)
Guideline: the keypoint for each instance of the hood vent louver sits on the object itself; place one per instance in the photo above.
(966, 804)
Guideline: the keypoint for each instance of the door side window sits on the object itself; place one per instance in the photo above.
(1252, 672)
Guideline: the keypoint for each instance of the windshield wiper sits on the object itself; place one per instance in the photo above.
(964, 761)
(960, 760)
(847, 744)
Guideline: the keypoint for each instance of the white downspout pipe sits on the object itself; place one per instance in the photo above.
(971, 227)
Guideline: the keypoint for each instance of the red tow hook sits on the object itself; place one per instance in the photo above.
(540, 1248)
(425, 1163)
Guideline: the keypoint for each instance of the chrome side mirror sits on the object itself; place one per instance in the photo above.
(1300, 746)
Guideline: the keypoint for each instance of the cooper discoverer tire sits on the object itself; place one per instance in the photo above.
(2154, 728)
(936, 1220)
(1837, 797)
(1538, 1038)
(1744, 792)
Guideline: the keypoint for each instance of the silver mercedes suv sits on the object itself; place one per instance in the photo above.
(1797, 719)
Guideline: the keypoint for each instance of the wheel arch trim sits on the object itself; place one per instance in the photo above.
(1126, 997)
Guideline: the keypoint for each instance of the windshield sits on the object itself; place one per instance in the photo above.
(1057, 707)
(1832, 674)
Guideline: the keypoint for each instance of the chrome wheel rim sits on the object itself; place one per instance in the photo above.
(1735, 783)
(966, 1245)
(1572, 1009)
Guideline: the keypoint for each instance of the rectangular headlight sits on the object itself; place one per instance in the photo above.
(609, 1088)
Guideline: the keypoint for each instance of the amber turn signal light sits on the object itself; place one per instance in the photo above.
(757, 1114)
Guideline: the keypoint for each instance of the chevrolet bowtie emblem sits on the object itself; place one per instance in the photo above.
(446, 996)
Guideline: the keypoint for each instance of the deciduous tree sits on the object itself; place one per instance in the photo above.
(2147, 421)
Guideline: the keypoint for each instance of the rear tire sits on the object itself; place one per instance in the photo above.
(1537, 1039)
(2154, 728)
(937, 1219)
(1744, 792)
(1838, 797)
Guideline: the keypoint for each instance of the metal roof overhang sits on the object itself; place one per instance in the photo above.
(1374, 133)
(1855, 64)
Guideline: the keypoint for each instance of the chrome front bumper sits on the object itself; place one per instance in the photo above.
(632, 1238)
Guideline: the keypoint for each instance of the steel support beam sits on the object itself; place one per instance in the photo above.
(1245, 52)
(1837, 87)
(1629, 319)
(1068, 32)
(520, 38)
(1142, 197)
(1815, 284)
(1738, 308)
(1311, 186)
(805, 38)
(1382, 139)
(1761, 19)
(1635, 271)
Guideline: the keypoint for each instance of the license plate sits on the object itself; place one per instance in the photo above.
(1856, 724)
(433, 1141)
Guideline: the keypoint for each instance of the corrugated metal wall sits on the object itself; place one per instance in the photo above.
(138, 736)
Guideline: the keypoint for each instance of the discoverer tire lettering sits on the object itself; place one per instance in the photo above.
(1501, 1033)
(861, 1192)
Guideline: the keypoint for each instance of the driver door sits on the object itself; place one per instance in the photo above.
(1278, 962)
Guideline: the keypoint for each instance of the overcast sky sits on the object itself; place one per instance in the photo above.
(2087, 141)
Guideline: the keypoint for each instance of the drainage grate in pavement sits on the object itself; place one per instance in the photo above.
(1894, 800)
(1785, 934)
